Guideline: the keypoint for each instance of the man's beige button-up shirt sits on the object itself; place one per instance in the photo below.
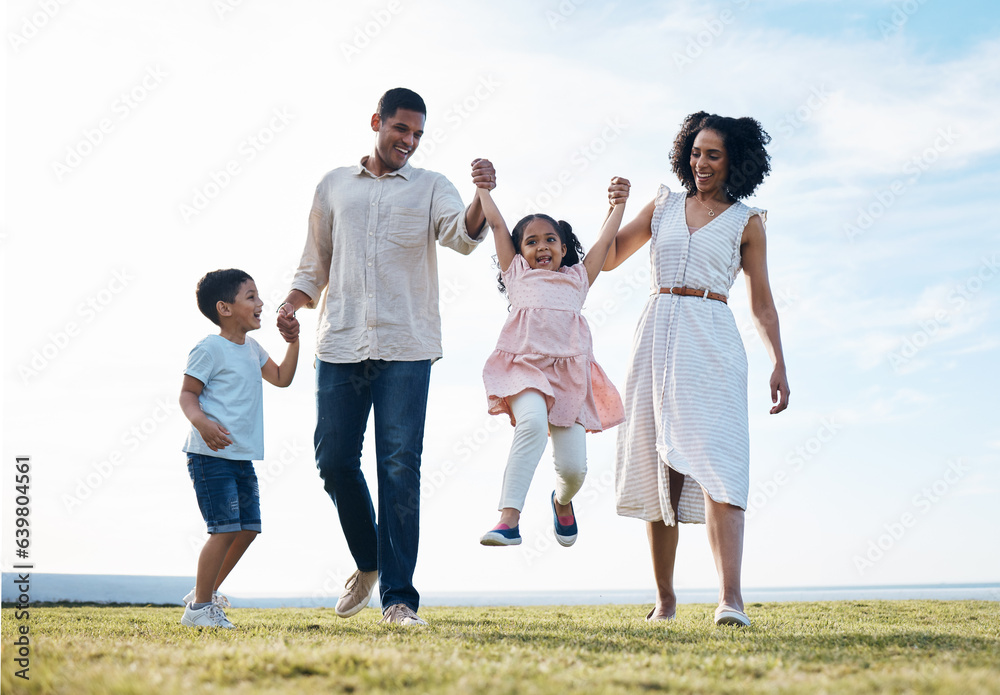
(371, 247)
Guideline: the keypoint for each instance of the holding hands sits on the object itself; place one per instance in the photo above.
(483, 174)
(288, 325)
(618, 191)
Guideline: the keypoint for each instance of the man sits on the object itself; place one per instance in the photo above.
(370, 244)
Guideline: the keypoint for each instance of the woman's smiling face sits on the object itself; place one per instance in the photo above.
(709, 161)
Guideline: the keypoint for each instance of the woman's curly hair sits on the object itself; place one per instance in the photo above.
(744, 139)
(574, 249)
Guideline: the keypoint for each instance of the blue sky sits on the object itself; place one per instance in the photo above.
(882, 239)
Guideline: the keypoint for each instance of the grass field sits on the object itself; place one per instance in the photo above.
(830, 647)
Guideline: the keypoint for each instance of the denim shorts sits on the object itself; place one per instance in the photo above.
(227, 493)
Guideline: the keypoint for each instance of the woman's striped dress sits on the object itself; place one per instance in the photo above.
(686, 389)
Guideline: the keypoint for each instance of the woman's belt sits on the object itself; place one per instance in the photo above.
(691, 292)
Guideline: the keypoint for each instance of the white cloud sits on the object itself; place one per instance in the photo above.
(877, 407)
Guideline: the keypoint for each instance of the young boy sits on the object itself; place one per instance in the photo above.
(223, 398)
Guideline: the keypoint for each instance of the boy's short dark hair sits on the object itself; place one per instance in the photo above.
(400, 98)
(216, 286)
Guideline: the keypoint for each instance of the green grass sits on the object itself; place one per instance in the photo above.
(830, 647)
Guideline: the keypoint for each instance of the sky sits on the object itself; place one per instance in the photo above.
(149, 142)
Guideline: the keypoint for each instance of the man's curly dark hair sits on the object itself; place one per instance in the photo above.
(744, 139)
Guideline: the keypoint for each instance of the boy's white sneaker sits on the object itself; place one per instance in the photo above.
(209, 616)
(220, 600)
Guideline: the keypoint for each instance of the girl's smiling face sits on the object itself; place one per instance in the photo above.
(541, 246)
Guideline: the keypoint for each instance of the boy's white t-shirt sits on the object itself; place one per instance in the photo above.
(233, 395)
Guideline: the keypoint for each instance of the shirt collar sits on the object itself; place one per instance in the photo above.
(405, 171)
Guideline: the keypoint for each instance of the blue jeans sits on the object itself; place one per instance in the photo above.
(345, 394)
(227, 493)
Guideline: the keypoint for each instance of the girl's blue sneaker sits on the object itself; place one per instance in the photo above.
(501, 536)
(566, 535)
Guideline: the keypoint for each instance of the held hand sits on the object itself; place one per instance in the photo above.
(288, 325)
(214, 434)
(483, 174)
(618, 191)
(779, 390)
(291, 334)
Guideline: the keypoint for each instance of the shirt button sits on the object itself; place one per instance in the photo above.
(371, 233)
(369, 264)
(370, 296)
(370, 327)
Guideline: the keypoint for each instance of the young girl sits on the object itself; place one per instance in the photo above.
(542, 373)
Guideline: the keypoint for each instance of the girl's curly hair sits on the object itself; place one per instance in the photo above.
(574, 249)
(744, 139)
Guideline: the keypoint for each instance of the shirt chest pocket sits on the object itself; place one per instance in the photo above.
(408, 226)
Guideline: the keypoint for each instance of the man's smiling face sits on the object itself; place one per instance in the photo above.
(398, 138)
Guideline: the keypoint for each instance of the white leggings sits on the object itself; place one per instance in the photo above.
(569, 451)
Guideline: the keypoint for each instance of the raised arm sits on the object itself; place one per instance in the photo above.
(753, 249)
(631, 237)
(482, 174)
(281, 374)
(501, 235)
(594, 260)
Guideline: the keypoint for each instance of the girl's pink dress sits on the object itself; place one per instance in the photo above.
(546, 345)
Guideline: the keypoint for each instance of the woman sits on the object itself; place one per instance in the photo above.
(683, 452)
